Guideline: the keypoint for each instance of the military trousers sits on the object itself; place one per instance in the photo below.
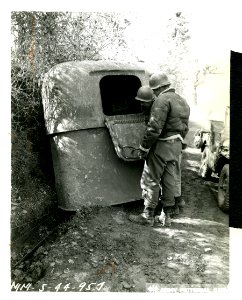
(178, 176)
(160, 171)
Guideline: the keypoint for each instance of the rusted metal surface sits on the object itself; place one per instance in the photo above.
(89, 172)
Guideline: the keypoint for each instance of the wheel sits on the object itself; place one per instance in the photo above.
(223, 189)
(205, 171)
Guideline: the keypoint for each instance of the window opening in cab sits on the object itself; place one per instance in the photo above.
(118, 94)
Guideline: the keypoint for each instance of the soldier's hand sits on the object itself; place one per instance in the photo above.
(142, 154)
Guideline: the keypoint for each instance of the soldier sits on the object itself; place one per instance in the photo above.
(146, 97)
(161, 148)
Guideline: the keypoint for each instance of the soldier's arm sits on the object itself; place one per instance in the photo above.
(157, 120)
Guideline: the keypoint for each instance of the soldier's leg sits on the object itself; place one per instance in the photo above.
(179, 202)
(169, 187)
(178, 176)
(150, 188)
(170, 180)
(150, 194)
(150, 184)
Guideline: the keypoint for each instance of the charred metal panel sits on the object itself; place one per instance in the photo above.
(89, 172)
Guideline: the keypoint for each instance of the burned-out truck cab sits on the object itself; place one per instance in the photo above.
(94, 124)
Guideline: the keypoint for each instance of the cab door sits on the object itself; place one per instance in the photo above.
(123, 116)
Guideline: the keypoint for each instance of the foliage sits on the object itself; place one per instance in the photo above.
(178, 50)
(41, 40)
(44, 39)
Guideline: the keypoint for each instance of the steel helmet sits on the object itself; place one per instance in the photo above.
(158, 80)
(145, 94)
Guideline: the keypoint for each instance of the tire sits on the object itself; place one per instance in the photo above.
(223, 189)
(205, 172)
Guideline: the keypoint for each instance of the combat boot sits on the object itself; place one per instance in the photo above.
(179, 203)
(160, 218)
(167, 211)
(146, 218)
(175, 211)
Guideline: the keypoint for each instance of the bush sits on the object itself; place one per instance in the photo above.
(41, 40)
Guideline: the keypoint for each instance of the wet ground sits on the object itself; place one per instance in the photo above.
(99, 249)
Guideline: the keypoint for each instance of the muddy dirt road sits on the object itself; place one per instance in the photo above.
(101, 250)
